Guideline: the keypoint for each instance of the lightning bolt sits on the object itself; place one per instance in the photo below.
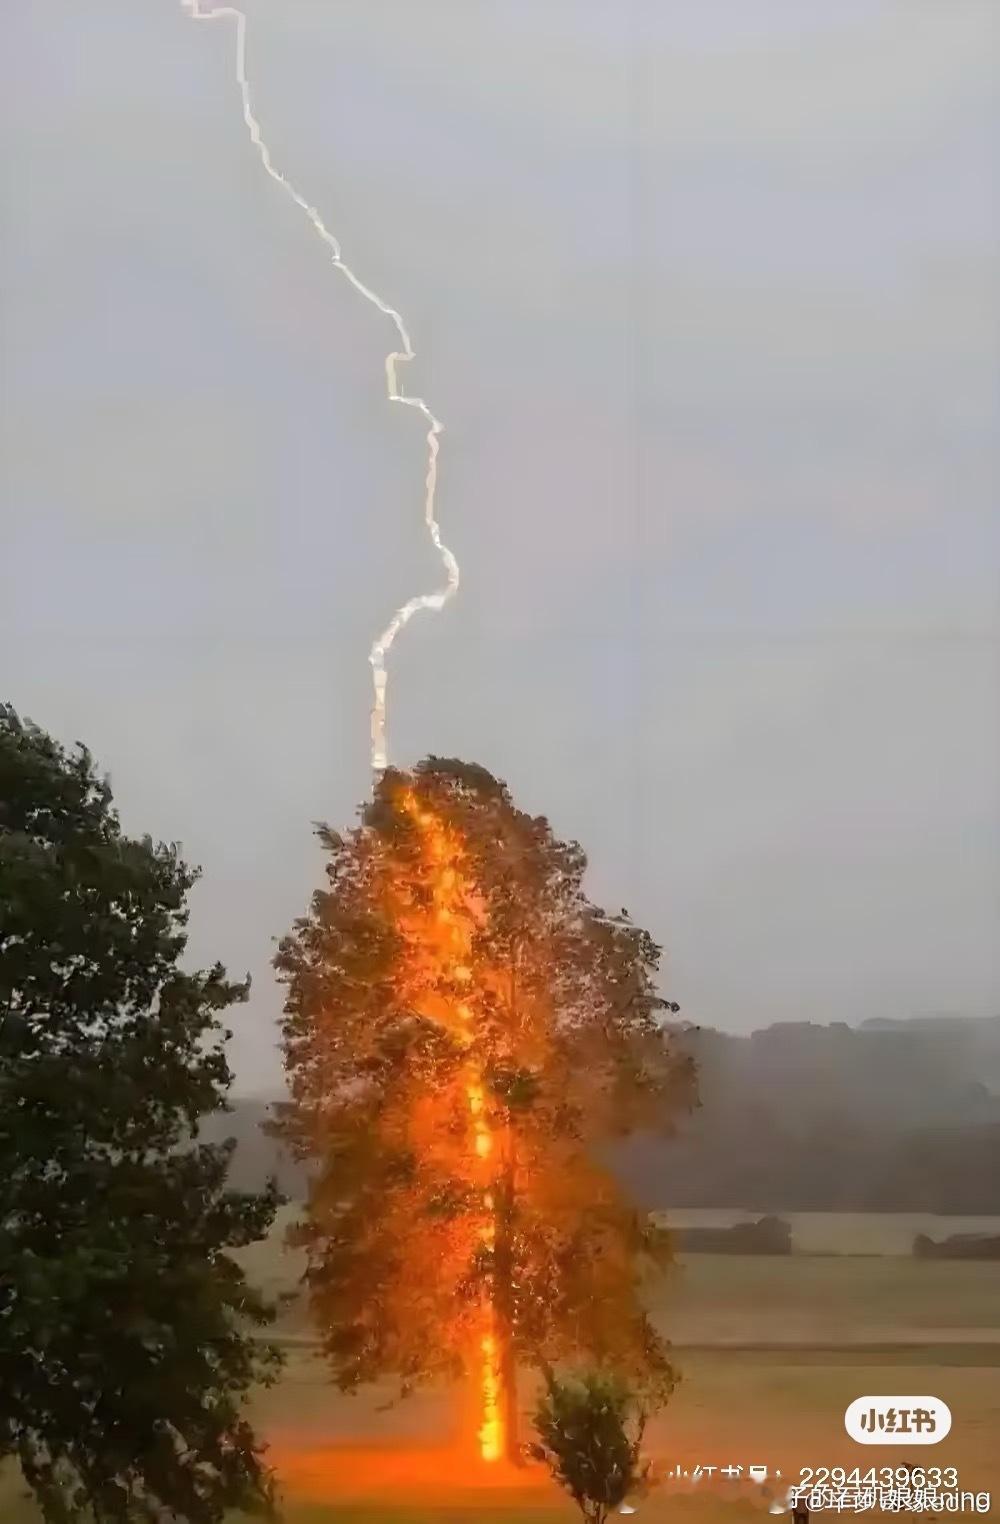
(405, 352)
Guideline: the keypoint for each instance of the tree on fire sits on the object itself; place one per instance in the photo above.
(463, 1029)
(125, 1327)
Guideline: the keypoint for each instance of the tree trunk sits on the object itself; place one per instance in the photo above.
(503, 1308)
(511, 1414)
(503, 1267)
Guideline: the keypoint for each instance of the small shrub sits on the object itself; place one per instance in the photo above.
(590, 1431)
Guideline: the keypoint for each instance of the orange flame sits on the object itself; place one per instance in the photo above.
(451, 892)
(491, 1432)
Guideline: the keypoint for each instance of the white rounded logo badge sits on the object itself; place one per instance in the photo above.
(897, 1420)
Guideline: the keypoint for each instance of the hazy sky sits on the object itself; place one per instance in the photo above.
(707, 297)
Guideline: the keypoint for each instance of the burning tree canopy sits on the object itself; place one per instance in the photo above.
(462, 1029)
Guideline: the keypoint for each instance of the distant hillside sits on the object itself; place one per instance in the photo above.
(891, 1116)
(896, 1075)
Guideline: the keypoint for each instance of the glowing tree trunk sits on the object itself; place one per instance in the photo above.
(492, 1428)
(504, 1311)
(449, 931)
(499, 1436)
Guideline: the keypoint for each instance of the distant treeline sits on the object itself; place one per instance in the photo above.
(769, 1235)
(958, 1246)
(887, 1117)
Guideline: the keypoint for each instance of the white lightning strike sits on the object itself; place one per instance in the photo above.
(436, 600)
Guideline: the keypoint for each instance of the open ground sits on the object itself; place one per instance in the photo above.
(771, 1351)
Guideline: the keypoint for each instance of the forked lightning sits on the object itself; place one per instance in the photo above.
(435, 600)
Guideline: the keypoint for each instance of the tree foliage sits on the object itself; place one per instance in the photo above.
(124, 1344)
(463, 1031)
(590, 1430)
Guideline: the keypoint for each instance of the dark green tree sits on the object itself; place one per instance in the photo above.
(126, 1343)
(590, 1432)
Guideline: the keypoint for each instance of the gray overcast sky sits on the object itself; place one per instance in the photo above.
(707, 298)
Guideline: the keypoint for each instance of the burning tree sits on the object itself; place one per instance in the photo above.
(462, 1030)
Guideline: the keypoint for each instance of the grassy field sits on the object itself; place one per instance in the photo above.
(732, 1407)
(798, 1299)
(771, 1351)
(822, 1300)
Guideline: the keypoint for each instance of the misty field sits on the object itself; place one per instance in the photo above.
(822, 1300)
(829, 1301)
(340, 1459)
(771, 1351)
